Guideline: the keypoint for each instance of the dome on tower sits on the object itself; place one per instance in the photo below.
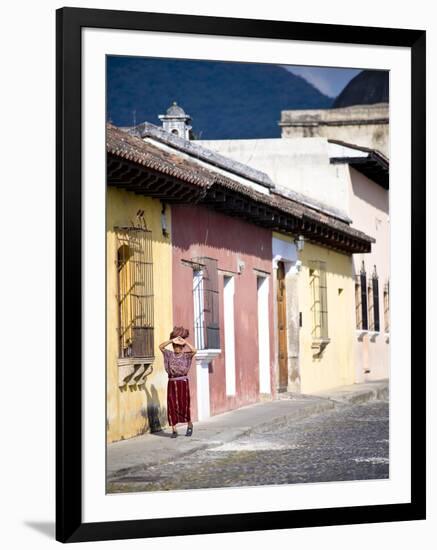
(175, 110)
(176, 121)
(367, 88)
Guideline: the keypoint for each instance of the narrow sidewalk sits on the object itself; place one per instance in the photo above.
(156, 448)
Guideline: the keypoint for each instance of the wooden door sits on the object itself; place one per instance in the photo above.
(281, 300)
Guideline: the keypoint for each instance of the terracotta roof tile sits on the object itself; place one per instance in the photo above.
(126, 146)
(132, 148)
(195, 150)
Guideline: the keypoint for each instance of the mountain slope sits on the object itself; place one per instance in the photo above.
(225, 100)
(367, 88)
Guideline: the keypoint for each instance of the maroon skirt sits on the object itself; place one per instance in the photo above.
(178, 401)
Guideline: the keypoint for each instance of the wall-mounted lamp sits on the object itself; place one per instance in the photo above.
(164, 221)
(299, 242)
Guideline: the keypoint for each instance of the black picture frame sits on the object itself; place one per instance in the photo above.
(69, 525)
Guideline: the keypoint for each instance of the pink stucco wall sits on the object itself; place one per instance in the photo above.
(369, 210)
(198, 231)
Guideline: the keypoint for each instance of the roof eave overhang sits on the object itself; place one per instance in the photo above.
(372, 166)
(126, 174)
(131, 176)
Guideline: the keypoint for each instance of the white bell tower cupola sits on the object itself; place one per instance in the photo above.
(176, 121)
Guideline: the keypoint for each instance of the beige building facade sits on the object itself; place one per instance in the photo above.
(365, 125)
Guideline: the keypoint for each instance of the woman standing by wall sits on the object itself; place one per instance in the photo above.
(177, 363)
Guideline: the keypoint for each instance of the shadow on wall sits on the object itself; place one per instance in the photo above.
(154, 414)
(365, 189)
(218, 230)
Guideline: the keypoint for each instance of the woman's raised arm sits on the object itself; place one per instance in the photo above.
(163, 345)
(192, 349)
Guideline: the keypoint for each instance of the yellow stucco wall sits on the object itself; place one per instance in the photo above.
(131, 410)
(335, 367)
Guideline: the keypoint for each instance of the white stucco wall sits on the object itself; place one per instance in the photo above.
(300, 164)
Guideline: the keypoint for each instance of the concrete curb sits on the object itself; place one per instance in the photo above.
(303, 411)
(352, 395)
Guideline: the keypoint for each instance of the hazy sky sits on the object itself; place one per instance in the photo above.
(330, 81)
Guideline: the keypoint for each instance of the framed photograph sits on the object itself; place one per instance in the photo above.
(240, 275)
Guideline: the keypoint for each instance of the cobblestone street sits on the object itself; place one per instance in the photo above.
(347, 443)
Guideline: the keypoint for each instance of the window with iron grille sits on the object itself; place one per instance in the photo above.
(375, 294)
(387, 307)
(358, 307)
(206, 304)
(135, 291)
(319, 300)
(370, 305)
(361, 300)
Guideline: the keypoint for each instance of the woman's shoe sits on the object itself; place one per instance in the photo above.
(174, 434)
(189, 430)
